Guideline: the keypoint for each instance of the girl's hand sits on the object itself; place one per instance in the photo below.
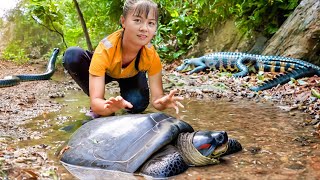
(117, 103)
(170, 101)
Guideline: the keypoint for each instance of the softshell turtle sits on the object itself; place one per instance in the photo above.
(155, 144)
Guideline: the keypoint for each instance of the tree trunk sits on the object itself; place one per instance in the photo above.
(83, 24)
(299, 36)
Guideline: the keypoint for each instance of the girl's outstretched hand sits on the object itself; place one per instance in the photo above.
(170, 101)
(116, 103)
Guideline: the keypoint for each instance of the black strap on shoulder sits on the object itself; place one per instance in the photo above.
(136, 64)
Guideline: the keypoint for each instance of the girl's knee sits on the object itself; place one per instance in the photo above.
(138, 98)
(136, 110)
(72, 57)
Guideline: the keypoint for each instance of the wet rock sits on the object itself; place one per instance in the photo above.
(298, 37)
(68, 128)
(296, 166)
(56, 95)
(302, 140)
(256, 162)
(250, 95)
(254, 150)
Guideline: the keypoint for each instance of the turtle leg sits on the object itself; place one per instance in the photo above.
(233, 147)
(165, 163)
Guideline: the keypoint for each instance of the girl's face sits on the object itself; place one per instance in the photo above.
(139, 29)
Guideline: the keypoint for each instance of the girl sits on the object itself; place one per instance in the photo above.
(124, 56)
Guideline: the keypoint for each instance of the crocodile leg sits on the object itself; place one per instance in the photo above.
(245, 63)
(244, 70)
(183, 66)
(199, 67)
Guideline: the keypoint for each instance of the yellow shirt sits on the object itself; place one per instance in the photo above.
(107, 58)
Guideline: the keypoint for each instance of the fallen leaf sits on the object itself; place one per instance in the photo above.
(64, 150)
(32, 174)
(315, 93)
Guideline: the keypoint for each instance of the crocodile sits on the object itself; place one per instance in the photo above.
(241, 64)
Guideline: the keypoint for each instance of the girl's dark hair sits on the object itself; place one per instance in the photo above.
(139, 7)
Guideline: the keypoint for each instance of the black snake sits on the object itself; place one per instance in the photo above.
(15, 79)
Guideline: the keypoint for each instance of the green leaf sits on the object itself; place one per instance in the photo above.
(315, 93)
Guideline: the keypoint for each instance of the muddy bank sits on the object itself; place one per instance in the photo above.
(19, 104)
(30, 99)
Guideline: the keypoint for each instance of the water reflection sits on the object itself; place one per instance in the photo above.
(275, 145)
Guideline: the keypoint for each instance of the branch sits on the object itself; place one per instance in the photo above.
(52, 30)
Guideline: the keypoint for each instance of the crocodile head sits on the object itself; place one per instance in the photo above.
(185, 66)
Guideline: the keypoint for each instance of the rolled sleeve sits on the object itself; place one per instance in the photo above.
(98, 63)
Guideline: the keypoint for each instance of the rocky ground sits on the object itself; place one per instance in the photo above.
(18, 104)
(30, 99)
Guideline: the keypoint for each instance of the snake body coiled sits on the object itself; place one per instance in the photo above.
(16, 79)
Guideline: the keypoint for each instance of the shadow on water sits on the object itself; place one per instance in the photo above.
(276, 145)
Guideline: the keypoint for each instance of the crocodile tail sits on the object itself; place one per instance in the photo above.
(276, 67)
(233, 147)
(300, 63)
(282, 79)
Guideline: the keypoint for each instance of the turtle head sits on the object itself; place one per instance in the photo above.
(211, 144)
(202, 147)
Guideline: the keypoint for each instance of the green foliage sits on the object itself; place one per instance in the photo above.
(14, 53)
(182, 21)
(102, 18)
(261, 15)
(178, 34)
(46, 24)
(3, 173)
(46, 13)
(23, 36)
(315, 93)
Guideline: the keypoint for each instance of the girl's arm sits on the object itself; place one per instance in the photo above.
(97, 102)
(158, 99)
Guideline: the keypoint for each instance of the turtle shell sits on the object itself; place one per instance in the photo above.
(122, 143)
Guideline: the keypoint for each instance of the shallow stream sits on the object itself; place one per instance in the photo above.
(276, 144)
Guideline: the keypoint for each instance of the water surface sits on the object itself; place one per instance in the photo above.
(276, 144)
